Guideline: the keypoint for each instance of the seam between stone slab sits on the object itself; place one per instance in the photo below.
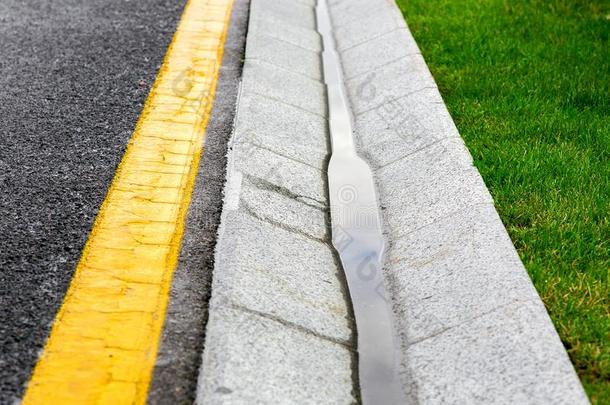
(468, 320)
(443, 218)
(273, 21)
(341, 51)
(284, 40)
(377, 106)
(422, 149)
(276, 66)
(256, 145)
(253, 61)
(287, 103)
(356, 76)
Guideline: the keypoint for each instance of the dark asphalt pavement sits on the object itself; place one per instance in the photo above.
(73, 78)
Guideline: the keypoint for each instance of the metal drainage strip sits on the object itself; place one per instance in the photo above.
(357, 236)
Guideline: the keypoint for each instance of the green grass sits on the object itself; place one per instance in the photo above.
(528, 84)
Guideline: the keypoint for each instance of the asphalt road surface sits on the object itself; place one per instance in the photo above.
(73, 78)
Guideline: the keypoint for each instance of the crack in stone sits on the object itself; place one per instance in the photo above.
(280, 225)
(263, 184)
(346, 344)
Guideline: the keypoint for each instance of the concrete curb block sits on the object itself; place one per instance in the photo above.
(279, 329)
(471, 325)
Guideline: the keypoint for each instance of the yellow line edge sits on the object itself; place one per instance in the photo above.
(109, 394)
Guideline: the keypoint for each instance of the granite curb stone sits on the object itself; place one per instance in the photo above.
(280, 327)
(472, 327)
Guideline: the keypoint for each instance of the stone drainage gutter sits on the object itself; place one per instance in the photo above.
(470, 325)
(357, 236)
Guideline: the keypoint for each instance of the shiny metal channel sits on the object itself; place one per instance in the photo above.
(357, 236)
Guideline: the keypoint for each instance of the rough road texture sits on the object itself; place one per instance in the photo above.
(471, 327)
(73, 78)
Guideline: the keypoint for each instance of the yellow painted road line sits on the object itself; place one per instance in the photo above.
(104, 340)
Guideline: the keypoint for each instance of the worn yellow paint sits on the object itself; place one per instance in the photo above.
(103, 343)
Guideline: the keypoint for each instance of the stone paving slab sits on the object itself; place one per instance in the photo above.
(402, 126)
(442, 270)
(293, 177)
(286, 56)
(502, 357)
(356, 23)
(395, 80)
(269, 26)
(283, 85)
(260, 276)
(290, 12)
(257, 359)
(283, 129)
(378, 52)
(428, 185)
(266, 201)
